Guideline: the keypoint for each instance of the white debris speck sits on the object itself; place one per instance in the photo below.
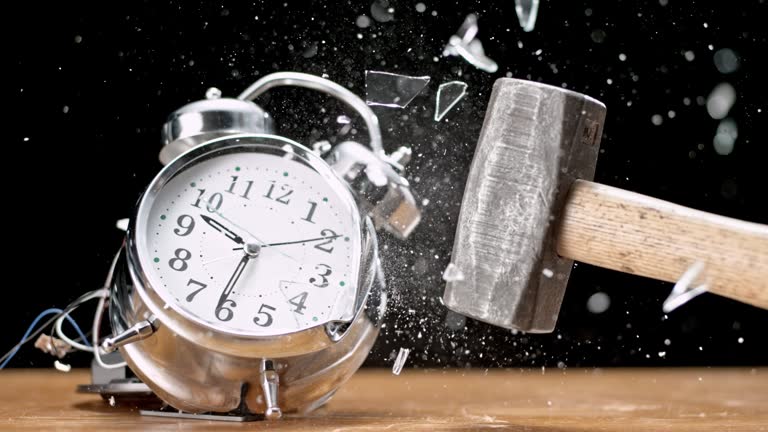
(689, 55)
(342, 119)
(453, 273)
(598, 303)
(656, 119)
(740, 340)
(671, 114)
(402, 356)
(62, 367)
(547, 272)
(662, 354)
(549, 403)
(213, 93)
(65, 109)
(78, 39)
(609, 81)
(420, 7)
(720, 101)
(667, 342)
(425, 202)
(622, 57)
(112, 401)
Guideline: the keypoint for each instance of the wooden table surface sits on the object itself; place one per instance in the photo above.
(419, 400)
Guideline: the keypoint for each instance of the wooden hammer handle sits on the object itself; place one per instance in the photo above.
(625, 231)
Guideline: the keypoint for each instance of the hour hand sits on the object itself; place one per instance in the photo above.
(218, 226)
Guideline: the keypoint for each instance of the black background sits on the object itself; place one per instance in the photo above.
(91, 85)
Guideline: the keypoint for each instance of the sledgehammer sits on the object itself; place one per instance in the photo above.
(530, 209)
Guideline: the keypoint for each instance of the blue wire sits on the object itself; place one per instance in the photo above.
(34, 323)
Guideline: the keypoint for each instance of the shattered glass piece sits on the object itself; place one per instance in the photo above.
(527, 11)
(465, 44)
(681, 293)
(452, 273)
(402, 356)
(448, 95)
(392, 90)
(721, 100)
(381, 12)
(725, 138)
(726, 61)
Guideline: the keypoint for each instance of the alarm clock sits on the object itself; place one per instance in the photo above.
(250, 280)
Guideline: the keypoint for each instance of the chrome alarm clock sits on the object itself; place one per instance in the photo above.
(250, 279)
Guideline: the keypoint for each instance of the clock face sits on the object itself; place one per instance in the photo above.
(252, 242)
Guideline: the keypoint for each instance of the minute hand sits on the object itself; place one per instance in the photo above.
(303, 241)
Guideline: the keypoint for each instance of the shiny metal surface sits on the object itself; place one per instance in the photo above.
(140, 330)
(198, 368)
(204, 120)
(535, 142)
(196, 379)
(380, 189)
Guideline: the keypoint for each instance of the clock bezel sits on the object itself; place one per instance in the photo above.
(186, 324)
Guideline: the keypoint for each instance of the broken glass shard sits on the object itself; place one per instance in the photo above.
(681, 293)
(466, 45)
(527, 11)
(392, 90)
(448, 95)
(402, 356)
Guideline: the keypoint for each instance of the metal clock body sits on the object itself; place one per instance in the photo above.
(250, 279)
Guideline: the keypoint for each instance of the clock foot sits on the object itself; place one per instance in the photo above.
(270, 382)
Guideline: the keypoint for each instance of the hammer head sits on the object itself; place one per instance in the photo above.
(535, 142)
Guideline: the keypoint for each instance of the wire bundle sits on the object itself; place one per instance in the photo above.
(60, 315)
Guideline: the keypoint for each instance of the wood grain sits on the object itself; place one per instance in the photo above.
(419, 400)
(633, 233)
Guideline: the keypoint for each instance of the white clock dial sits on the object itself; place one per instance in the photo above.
(254, 243)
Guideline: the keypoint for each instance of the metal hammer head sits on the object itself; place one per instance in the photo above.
(535, 141)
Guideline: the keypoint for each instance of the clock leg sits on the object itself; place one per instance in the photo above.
(270, 382)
